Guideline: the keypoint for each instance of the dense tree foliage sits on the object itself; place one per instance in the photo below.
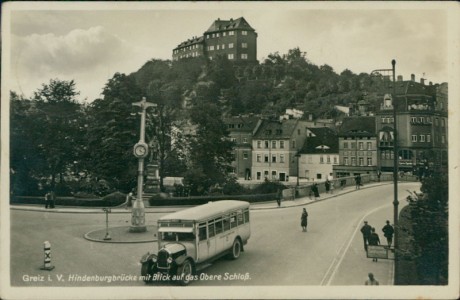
(54, 135)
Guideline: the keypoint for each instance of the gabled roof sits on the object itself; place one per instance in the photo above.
(274, 129)
(220, 25)
(242, 123)
(324, 140)
(358, 126)
(189, 42)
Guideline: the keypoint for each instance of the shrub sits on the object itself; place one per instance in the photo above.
(115, 198)
(268, 187)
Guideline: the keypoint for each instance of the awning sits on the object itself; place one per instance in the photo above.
(175, 229)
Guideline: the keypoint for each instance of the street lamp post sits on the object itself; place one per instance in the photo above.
(395, 154)
(298, 172)
(140, 151)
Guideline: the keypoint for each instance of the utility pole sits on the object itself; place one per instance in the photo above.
(140, 151)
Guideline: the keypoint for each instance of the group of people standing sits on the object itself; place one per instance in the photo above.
(50, 199)
(371, 238)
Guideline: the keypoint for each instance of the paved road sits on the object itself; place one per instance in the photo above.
(278, 252)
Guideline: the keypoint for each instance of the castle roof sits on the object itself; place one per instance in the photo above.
(221, 25)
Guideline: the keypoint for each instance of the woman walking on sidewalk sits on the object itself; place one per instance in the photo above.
(304, 220)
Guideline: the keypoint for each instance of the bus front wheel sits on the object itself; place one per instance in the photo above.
(185, 273)
(147, 271)
(236, 249)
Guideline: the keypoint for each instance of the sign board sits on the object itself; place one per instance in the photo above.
(377, 252)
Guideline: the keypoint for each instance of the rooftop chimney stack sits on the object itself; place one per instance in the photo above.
(412, 77)
(400, 78)
(422, 81)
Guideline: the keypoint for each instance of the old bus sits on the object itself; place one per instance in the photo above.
(191, 238)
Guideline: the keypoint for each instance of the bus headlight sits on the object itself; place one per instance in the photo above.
(169, 260)
(154, 259)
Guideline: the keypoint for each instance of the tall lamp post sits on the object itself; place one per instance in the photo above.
(140, 151)
(298, 172)
(395, 152)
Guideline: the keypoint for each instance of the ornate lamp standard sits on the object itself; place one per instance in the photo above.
(395, 151)
(140, 151)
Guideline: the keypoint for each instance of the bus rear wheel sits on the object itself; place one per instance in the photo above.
(236, 249)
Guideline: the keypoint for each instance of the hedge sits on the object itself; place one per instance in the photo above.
(67, 201)
(198, 200)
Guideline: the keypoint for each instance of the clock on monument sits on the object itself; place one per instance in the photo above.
(141, 150)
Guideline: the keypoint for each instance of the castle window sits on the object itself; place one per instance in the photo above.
(231, 32)
(244, 45)
(224, 33)
(223, 46)
(244, 56)
(218, 47)
(244, 32)
(217, 34)
(230, 56)
(213, 35)
(428, 138)
(230, 45)
(422, 138)
(414, 138)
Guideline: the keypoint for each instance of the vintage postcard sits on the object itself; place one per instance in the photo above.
(229, 150)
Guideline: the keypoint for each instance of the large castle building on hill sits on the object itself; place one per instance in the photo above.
(235, 39)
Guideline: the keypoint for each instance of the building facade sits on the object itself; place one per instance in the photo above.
(357, 147)
(421, 124)
(275, 146)
(234, 39)
(241, 130)
(319, 154)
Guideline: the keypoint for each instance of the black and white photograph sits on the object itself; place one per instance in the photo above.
(230, 150)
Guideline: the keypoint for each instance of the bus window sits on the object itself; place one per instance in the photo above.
(226, 223)
(218, 223)
(240, 218)
(185, 236)
(246, 216)
(211, 229)
(233, 223)
(202, 232)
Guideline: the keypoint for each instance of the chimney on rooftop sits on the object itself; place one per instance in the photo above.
(400, 78)
(431, 83)
(412, 77)
(422, 81)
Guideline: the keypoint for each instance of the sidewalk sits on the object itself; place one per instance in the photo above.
(169, 209)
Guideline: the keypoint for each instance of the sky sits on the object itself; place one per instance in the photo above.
(89, 43)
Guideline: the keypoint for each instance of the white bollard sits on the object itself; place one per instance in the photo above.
(47, 264)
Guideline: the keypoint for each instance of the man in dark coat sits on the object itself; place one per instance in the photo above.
(388, 232)
(366, 230)
(373, 240)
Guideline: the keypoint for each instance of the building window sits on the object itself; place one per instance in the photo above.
(282, 144)
(353, 145)
(231, 56)
(217, 34)
(244, 56)
(353, 161)
(273, 175)
(436, 121)
(244, 32)
(223, 46)
(231, 32)
(244, 45)
(230, 45)
(321, 159)
(259, 158)
(345, 145)
(414, 138)
(273, 144)
(213, 35)
(266, 144)
(369, 161)
(293, 144)
(361, 161)
(211, 48)
(422, 138)
(328, 159)
(361, 146)
(369, 146)
(218, 47)
(428, 138)
(443, 139)
(266, 158)
(345, 161)
(224, 33)
(259, 144)
(258, 175)
(413, 120)
(273, 158)
(335, 160)
(245, 155)
(281, 158)
(443, 122)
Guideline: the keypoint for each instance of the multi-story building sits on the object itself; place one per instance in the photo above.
(241, 130)
(275, 145)
(318, 154)
(234, 39)
(421, 116)
(357, 147)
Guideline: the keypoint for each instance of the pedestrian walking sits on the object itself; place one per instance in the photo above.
(366, 230)
(129, 200)
(388, 232)
(373, 240)
(315, 190)
(358, 181)
(371, 280)
(279, 196)
(378, 175)
(304, 220)
(327, 184)
(332, 187)
(47, 199)
(343, 182)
